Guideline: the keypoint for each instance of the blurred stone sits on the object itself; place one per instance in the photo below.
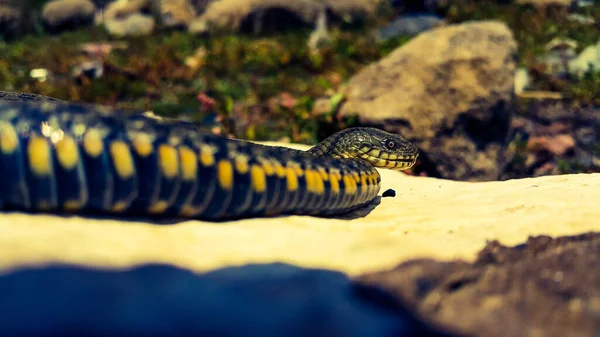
(10, 20)
(68, 14)
(198, 26)
(521, 80)
(587, 60)
(409, 25)
(176, 13)
(557, 145)
(121, 9)
(322, 106)
(450, 91)
(544, 287)
(279, 15)
(133, 25)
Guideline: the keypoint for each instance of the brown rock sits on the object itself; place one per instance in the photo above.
(545, 287)
(449, 90)
(59, 14)
(123, 9)
(229, 15)
(176, 13)
(557, 145)
(10, 19)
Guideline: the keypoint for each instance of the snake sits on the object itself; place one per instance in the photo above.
(70, 157)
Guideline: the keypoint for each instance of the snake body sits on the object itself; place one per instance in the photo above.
(60, 156)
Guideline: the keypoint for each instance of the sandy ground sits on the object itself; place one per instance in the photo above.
(427, 218)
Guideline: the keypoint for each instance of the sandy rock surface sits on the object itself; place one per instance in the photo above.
(427, 218)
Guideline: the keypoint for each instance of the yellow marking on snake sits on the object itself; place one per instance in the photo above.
(43, 206)
(363, 181)
(168, 160)
(291, 179)
(334, 182)
(375, 153)
(122, 159)
(189, 211)
(8, 138)
(189, 163)
(279, 170)
(268, 167)
(225, 174)
(119, 206)
(258, 178)
(348, 184)
(92, 143)
(67, 152)
(158, 207)
(207, 157)
(316, 185)
(142, 144)
(72, 205)
(323, 173)
(39, 154)
(241, 165)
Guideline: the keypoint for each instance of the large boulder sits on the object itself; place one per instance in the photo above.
(449, 90)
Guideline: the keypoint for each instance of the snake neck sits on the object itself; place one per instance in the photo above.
(333, 146)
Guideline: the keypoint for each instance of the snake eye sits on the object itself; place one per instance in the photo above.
(390, 144)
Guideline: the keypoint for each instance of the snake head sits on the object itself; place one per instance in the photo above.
(384, 150)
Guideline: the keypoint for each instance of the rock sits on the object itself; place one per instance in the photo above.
(133, 25)
(176, 13)
(320, 37)
(522, 80)
(68, 14)
(449, 90)
(588, 59)
(121, 9)
(409, 25)
(257, 15)
(557, 145)
(198, 26)
(581, 19)
(231, 15)
(10, 20)
(560, 51)
(160, 300)
(322, 106)
(544, 287)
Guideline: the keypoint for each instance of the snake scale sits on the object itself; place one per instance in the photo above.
(58, 156)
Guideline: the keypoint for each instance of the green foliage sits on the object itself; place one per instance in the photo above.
(587, 88)
(245, 75)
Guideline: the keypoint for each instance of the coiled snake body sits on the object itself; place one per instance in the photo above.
(59, 156)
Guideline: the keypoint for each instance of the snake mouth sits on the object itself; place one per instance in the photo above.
(389, 160)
